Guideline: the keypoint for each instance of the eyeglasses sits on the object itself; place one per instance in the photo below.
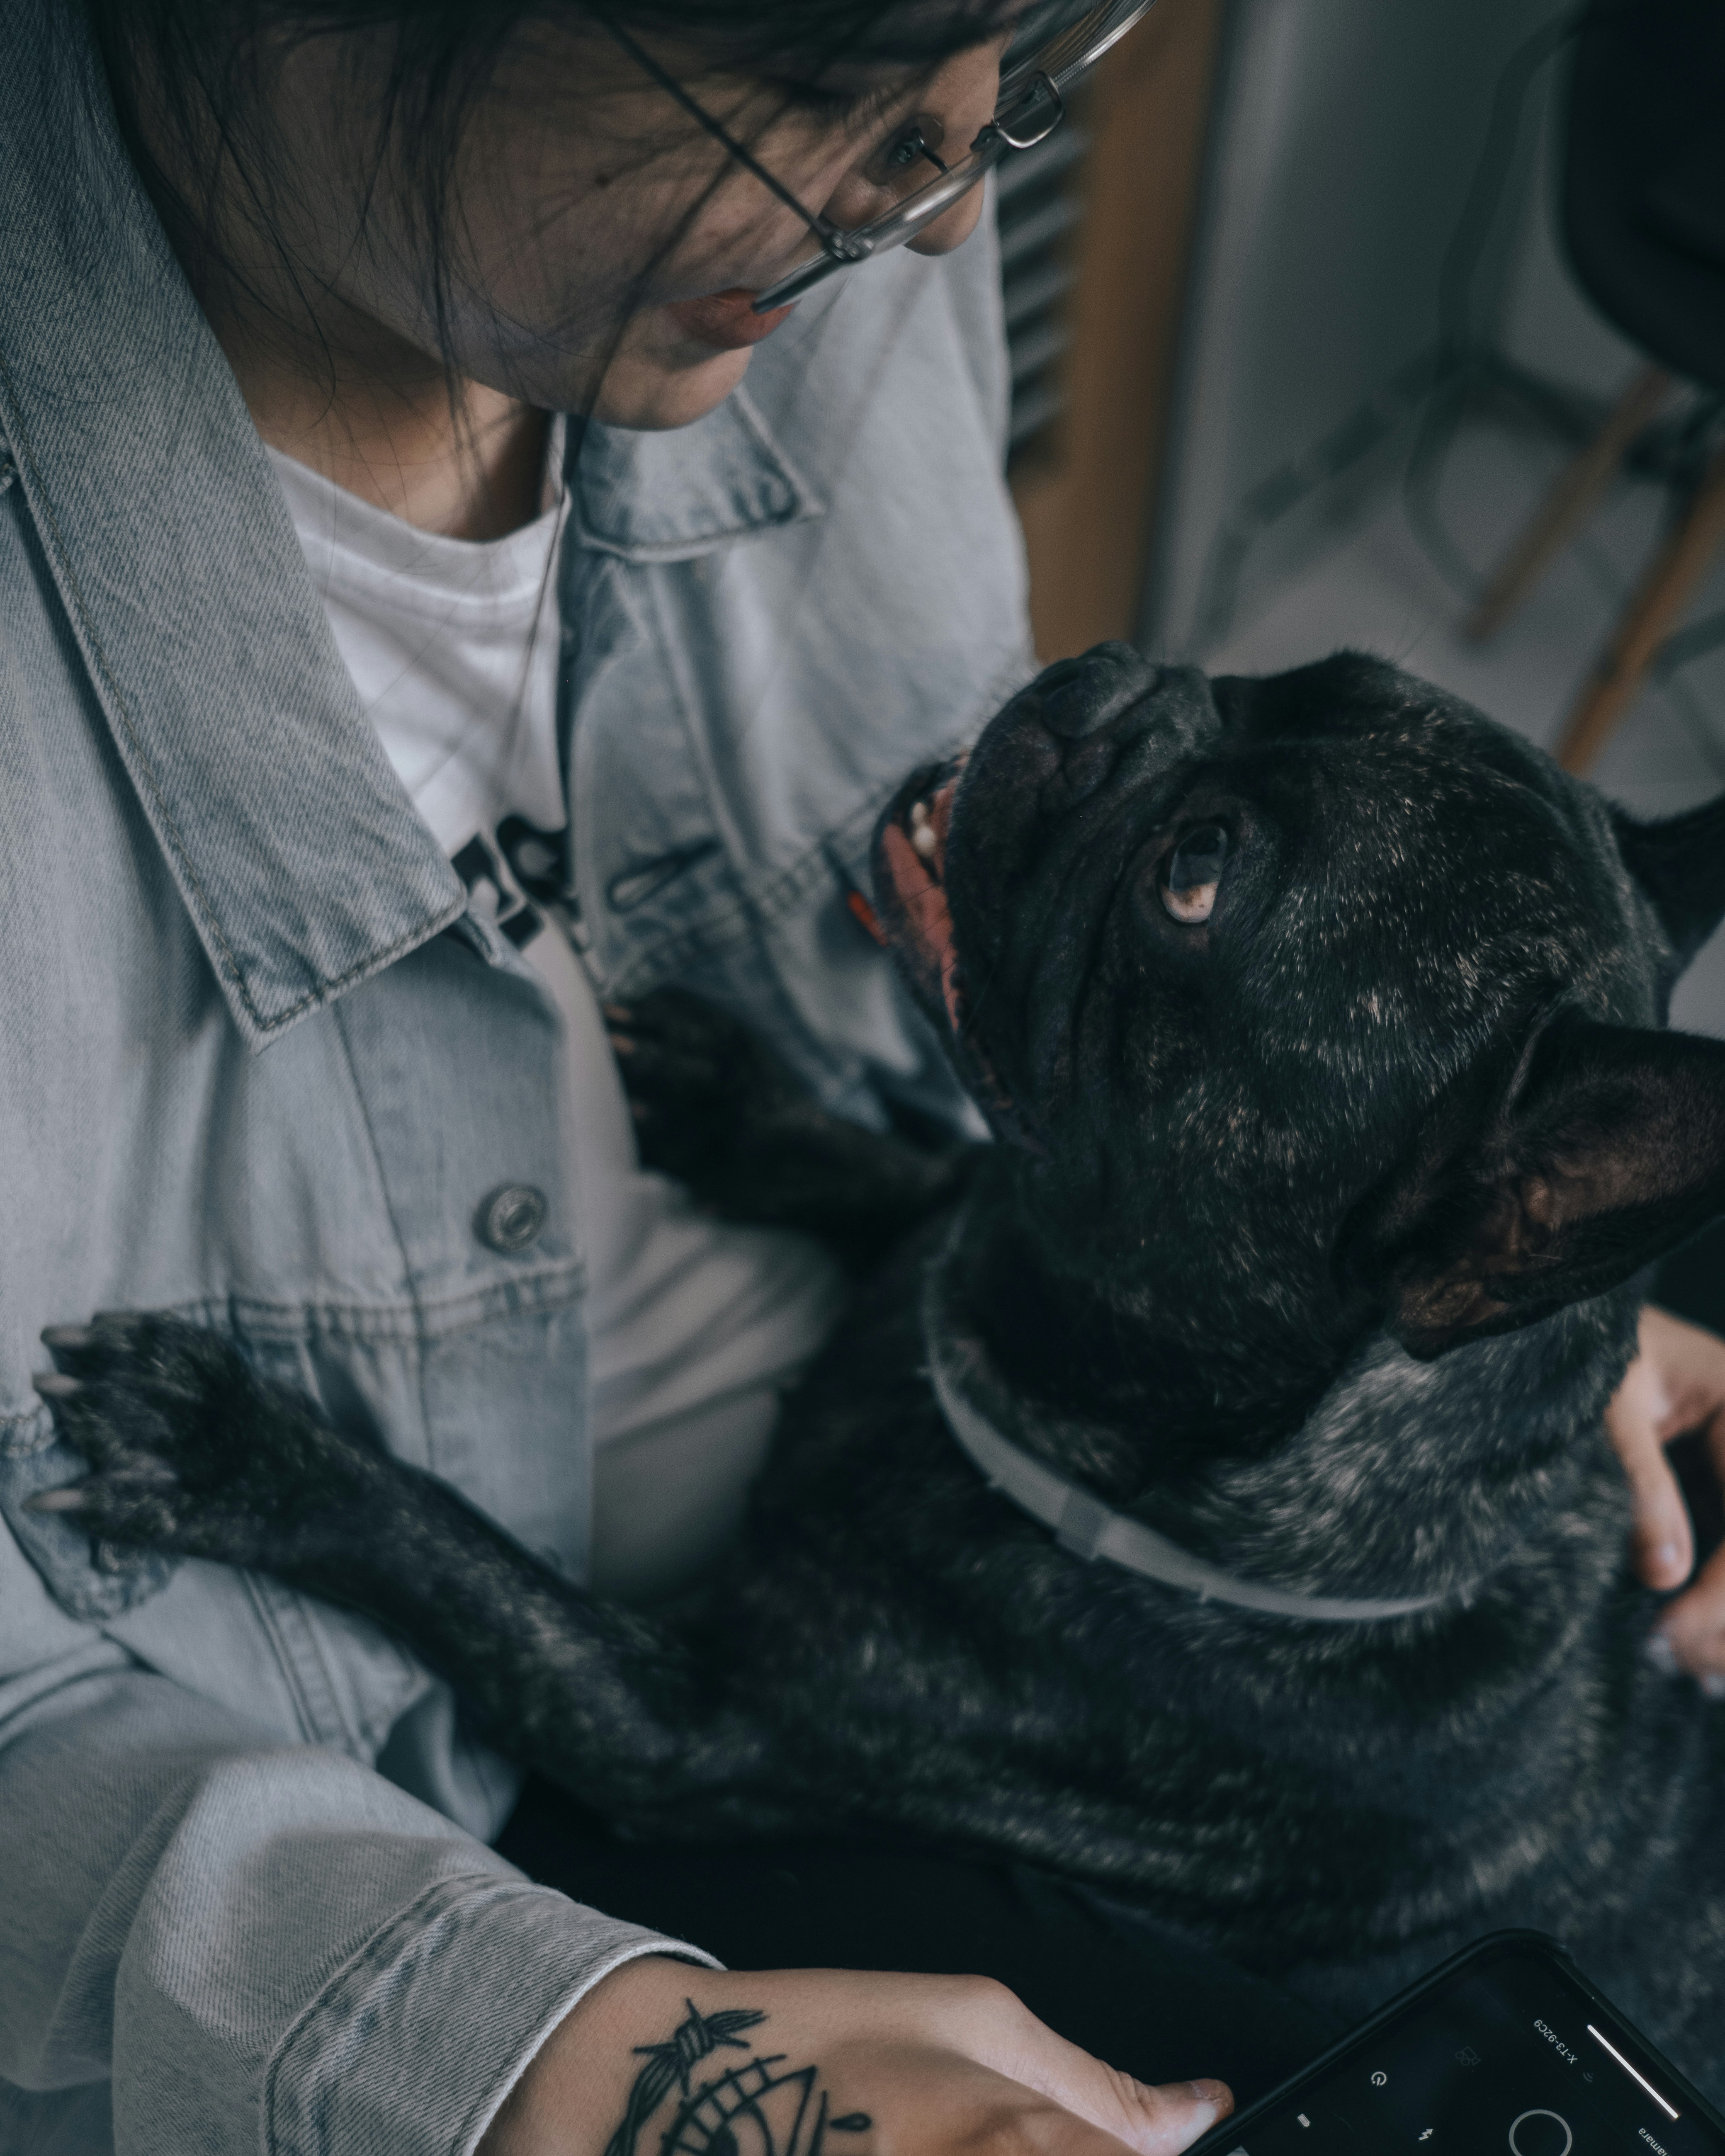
(1050, 50)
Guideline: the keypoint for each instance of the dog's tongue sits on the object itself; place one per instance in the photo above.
(927, 916)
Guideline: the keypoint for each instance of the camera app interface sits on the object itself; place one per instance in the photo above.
(1508, 2061)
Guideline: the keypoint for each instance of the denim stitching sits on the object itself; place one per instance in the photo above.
(551, 1287)
(805, 504)
(734, 918)
(250, 1318)
(230, 963)
(274, 1607)
(363, 1959)
(374, 963)
(30, 1430)
(409, 1271)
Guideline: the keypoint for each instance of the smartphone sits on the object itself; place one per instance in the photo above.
(1506, 2050)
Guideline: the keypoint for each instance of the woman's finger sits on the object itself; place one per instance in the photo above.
(1156, 2120)
(1165, 2120)
(1638, 1420)
(1693, 1629)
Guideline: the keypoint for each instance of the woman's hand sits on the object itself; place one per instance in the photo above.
(828, 2062)
(1676, 1384)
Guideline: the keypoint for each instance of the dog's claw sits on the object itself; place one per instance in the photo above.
(55, 1385)
(71, 1499)
(68, 1335)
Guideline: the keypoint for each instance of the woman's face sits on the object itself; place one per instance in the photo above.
(606, 250)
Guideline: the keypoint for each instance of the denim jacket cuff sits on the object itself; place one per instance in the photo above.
(412, 2045)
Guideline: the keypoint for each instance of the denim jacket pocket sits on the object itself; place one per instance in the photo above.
(89, 1579)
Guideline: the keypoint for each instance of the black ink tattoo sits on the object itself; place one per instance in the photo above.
(758, 2108)
(691, 2041)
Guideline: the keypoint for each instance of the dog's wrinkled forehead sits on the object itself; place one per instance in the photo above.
(1366, 770)
(1336, 874)
(1434, 877)
(1416, 841)
(1396, 723)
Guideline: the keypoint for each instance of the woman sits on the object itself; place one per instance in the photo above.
(363, 725)
(315, 621)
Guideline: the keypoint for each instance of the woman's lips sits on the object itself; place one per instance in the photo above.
(727, 321)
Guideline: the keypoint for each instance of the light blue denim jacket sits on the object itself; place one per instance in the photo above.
(258, 1064)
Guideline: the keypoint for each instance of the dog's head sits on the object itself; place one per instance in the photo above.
(1321, 993)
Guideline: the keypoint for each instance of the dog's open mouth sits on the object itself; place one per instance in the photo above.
(912, 860)
(915, 917)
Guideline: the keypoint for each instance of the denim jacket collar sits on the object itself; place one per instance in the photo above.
(296, 850)
(184, 585)
(673, 496)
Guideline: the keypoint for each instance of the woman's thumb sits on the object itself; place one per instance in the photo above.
(1158, 2121)
(1155, 2120)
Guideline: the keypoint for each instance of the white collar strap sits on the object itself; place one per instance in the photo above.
(1086, 1527)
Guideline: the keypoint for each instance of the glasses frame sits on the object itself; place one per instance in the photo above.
(1027, 115)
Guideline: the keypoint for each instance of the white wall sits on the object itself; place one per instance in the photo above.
(1347, 136)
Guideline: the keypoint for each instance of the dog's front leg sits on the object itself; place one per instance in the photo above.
(191, 1452)
(715, 1108)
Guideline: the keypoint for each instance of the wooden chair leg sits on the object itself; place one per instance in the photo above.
(1568, 505)
(1650, 618)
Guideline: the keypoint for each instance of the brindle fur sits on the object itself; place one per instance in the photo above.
(1311, 1239)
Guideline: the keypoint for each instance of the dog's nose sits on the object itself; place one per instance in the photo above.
(1076, 697)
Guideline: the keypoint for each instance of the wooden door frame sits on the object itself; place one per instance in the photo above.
(1085, 501)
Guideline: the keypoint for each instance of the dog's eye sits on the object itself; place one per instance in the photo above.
(1192, 872)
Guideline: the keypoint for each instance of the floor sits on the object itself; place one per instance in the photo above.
(1374, 586)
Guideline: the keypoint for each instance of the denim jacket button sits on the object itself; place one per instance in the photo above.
(511, 1218)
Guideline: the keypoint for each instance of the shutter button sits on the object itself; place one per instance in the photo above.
(511, 1218)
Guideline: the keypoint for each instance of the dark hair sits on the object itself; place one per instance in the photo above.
(202, 60)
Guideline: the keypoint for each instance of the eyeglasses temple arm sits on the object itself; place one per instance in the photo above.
(830, 236)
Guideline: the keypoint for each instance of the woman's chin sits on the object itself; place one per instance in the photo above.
(658, 385)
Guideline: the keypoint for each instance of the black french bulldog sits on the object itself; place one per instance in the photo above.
(1320, 1022)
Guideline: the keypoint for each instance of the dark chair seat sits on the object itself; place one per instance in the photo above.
(1685, 203)
(1643, 178)
(1643, 210)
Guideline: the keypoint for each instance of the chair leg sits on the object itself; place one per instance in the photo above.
(1651, 615)
(1568, 505)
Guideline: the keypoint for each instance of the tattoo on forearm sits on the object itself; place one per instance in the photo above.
(756, 2107)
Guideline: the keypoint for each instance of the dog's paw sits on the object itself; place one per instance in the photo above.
(703, 1090)
(189, 1451)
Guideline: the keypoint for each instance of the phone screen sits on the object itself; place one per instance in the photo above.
(1509, 2054)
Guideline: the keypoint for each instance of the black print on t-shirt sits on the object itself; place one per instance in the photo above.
(536, 860)
(527, 867)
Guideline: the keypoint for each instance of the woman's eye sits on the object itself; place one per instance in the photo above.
(914, 142)
(1191, 874)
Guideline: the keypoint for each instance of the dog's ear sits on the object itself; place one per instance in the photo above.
(1603, 1147)
(1679, 862)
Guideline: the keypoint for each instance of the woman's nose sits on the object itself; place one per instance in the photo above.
(955, 103)
(951, 230)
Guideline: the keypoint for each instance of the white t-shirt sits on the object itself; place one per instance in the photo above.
(695, 1327)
